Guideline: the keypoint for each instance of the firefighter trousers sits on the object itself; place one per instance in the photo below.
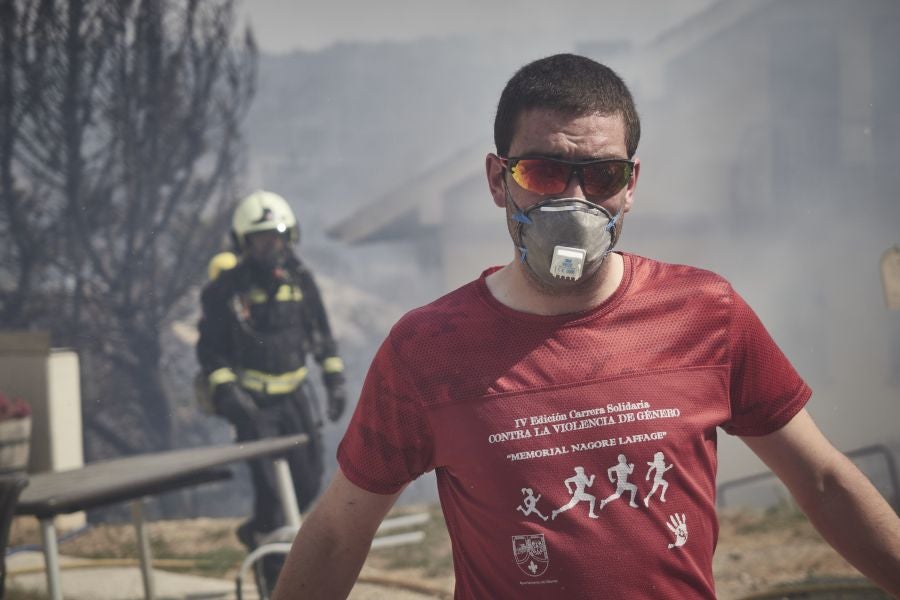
(284, 414)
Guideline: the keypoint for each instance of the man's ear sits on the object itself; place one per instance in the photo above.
(495, 175)
(632, 185)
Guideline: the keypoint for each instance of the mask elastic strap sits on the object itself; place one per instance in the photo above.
(520, 218)
(611, 227)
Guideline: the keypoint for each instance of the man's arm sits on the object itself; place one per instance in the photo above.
(838, 499)
(333, 542)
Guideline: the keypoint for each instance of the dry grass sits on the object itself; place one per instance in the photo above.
(757, 551)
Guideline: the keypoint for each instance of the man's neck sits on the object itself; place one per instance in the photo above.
(513, 287)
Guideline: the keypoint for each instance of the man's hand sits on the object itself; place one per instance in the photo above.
(235, 404)
(337, 399)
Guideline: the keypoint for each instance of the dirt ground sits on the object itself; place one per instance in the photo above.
(756, 552)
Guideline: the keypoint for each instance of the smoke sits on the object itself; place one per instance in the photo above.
(769, 136)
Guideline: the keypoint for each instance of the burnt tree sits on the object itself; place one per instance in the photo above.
(120, 152)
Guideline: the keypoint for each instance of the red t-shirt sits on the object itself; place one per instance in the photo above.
(575, 455)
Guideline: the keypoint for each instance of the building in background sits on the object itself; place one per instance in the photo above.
(770, 132)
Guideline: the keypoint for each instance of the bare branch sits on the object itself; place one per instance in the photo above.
(123, 119)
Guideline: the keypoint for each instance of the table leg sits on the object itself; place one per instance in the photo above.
(51, 558)
(286, 493)
(143, 543)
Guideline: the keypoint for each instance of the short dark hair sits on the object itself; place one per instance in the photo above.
(570, 84)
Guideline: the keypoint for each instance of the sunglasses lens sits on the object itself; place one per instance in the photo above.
(605, 179)
(541, 176)
(545, 176)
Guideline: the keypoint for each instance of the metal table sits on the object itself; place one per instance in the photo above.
(134, 477)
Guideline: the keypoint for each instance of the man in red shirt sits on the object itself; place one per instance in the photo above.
(571, 358)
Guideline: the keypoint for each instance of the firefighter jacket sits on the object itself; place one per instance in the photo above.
(259, 326)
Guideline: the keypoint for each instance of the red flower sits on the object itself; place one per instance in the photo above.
(13, 409)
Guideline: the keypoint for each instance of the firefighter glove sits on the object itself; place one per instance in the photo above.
(337, 399)
(235, 404)
(334, 383)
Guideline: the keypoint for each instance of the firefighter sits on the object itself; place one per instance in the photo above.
(262, 317)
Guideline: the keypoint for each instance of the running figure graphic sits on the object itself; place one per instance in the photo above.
(530, 503)
(579, 481)
(659, 464)
(622, 471)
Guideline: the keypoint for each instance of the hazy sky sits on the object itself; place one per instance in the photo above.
(285, 25)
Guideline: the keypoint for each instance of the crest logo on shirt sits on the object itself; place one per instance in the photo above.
(530, 552)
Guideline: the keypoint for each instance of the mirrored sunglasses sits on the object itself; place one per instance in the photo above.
(599, 178)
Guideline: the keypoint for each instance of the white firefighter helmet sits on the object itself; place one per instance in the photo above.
(263, 211)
